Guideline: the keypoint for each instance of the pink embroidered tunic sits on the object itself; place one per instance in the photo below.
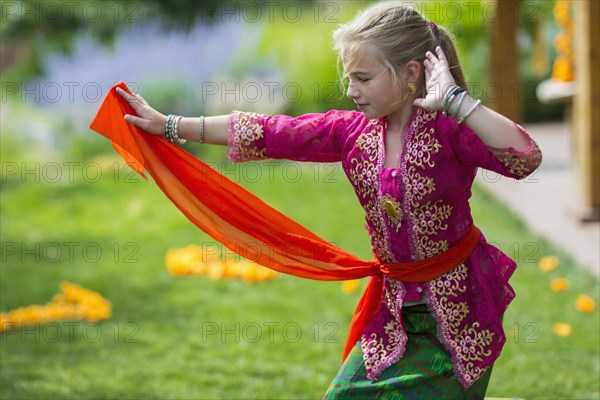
(413, 212)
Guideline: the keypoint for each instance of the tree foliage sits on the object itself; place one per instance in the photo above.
(42, 27)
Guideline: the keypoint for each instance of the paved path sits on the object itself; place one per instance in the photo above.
(549, 201)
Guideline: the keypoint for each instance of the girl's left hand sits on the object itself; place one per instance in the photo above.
(438, 79)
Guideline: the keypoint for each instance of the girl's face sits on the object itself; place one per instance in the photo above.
(371, 85)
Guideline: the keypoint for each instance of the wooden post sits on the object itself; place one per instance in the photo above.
(504, 62)
(586, 108)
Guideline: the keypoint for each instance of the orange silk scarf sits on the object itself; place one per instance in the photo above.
(247, 225)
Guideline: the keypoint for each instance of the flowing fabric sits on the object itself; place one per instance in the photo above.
(250, 227)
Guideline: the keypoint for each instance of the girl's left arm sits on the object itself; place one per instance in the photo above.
(487, 138)
(494, 129)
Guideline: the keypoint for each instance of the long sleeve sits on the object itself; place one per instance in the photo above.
(509, 162)
(309, 137)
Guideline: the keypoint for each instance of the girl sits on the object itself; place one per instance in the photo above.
(411, 154)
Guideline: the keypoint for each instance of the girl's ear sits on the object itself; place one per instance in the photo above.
(412, 71)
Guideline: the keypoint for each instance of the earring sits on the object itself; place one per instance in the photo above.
(412, 89)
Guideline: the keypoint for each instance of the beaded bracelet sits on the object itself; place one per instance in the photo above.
(172, 129)
(176, 130)
(202, 129)
(168, 128)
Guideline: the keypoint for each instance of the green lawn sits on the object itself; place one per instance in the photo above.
(174, 337)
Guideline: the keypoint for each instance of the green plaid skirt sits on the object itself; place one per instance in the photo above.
(424, 372)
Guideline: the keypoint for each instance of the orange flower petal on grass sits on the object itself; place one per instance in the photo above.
(190, 260)
(179, 269)
(585, 303)
(561, 329)
(350, 286)
(5, 323)
(548, 263)
(265, 274)
(215, 271)
(249, 273)
(179, 261)
(230, 269)
(559, 284)
(75, 302)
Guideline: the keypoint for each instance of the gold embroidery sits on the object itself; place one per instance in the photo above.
(364, 174)
(517, 166)
(454, 312)
(364, 177)
(378, 241)
(520, 166)
(427, 219)
(368, 142)
(422, 147)
(419, 186)
(391, 290)
(451, 283)
(393, 209)
(430, 218)
(246, 134)
(473, 372)
(423, 117)
(375, 353)
(394, 332)
(432, 248)
(473, 342)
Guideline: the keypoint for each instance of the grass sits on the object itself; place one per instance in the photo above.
(173, 337)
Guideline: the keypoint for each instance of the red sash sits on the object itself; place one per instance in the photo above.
(420, 271)
(247, 225)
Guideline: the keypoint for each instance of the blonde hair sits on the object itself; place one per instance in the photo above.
(400, 34)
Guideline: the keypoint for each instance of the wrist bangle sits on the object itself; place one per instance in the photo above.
(172, 129)
(464, 117)
(202, 129)
(169, 128)
(178, 140)
(449, 97)
(460, 101)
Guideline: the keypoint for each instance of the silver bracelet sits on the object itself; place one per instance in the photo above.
(449, 97)
(178, 140)
(172, 129)
(464, 117)
(460, 101)
(202, 129)
(169, 128)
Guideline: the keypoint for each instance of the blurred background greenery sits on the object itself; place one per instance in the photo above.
(58, 60)
(289, 41)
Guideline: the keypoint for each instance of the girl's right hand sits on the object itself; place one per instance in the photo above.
(147, 117)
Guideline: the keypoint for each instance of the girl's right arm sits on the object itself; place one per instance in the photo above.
(308, 137)
(215, 128)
